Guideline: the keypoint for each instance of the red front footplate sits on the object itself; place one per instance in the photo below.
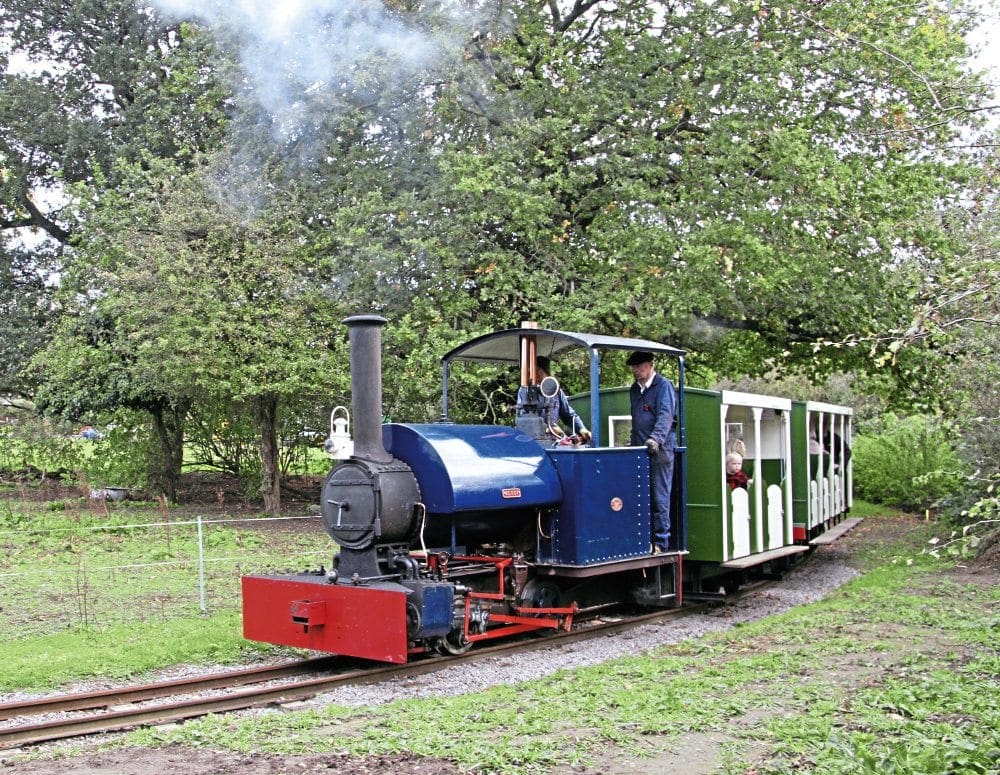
(310, 613)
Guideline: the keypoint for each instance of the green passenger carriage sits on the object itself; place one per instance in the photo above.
(796, 456)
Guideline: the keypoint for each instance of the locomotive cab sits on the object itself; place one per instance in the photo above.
(594, 547)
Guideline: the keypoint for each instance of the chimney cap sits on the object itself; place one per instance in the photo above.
(355, 320)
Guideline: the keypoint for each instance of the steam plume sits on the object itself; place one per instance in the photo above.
(290, 49)
(303, 61)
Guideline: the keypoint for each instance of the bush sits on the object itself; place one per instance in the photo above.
(120, 458)
(40, 447)
(909, 464)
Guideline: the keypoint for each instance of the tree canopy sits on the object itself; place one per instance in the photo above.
(766, 184)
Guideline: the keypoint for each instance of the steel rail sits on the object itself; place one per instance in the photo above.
(106, 698)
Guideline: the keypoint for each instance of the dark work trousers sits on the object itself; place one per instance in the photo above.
(661, 476)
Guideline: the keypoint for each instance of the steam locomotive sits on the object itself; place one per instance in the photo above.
(453, 534)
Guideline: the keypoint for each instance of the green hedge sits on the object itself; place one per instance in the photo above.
(910, 463)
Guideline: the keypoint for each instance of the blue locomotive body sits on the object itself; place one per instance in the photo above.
(604, 512)
(474, 467)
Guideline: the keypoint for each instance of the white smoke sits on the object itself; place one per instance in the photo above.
(292, 49)
(305, 61)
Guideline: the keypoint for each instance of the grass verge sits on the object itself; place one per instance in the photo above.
(894, 673)
(88, 591)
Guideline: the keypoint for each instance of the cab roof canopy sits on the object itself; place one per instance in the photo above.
(505, 346)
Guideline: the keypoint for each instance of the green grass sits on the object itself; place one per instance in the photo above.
(123, 651)
(76, 580)
(864, 509)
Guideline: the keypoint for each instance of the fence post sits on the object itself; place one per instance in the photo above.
(201, 567)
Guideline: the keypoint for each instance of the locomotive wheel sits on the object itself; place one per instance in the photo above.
(541, 593)
(454, 643)
(412, 620)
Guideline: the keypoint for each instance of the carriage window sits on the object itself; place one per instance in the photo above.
(619, 430)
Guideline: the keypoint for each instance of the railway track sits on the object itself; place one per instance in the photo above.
(114, 710)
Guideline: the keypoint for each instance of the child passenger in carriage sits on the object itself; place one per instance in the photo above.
(735, 477)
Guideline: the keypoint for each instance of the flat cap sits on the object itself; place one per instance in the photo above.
(639, 356)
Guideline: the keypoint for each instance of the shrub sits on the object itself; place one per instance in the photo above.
(121, 457)
(40, 447)
(909, 464)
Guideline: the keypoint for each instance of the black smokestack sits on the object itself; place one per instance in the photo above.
(366, 386)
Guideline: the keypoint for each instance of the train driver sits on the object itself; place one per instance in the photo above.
(653, 425)
(557, 406)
